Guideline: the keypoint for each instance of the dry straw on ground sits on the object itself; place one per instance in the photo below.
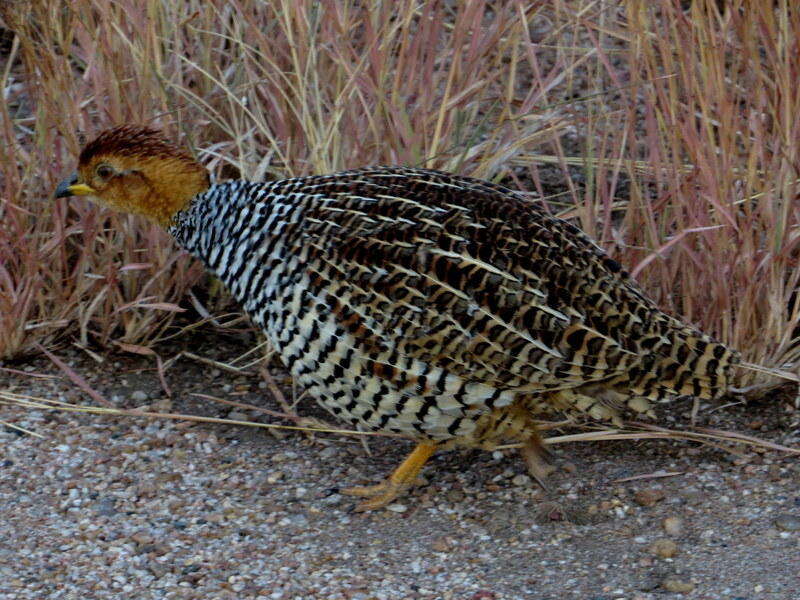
(680, 116)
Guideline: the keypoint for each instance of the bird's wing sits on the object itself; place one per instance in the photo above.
(465, 276)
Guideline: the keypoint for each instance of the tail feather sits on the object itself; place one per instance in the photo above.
(690, 363)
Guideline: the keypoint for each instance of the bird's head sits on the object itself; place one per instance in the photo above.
(135, 169)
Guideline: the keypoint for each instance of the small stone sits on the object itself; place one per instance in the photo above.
(648, 497)
(139, 396)
(673, 526)
(238, 416)
(521, 480)
(275, 477)
(676, 585)
(787, 522)
(664, 548)
(106, 506)
(455, 496)
(142, 538)
(157, 569)
(397, 508)
(441, 545)
(328, 452)
(163, 405)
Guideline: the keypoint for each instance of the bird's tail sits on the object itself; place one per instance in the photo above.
(677, 360)
(690, 363)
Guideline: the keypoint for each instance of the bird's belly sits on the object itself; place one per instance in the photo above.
(368, 385)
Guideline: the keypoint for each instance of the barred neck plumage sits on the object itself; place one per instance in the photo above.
(235, 228)
(219, 215)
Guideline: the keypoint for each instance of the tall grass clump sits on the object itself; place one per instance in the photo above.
(669, 133)
(715, 225)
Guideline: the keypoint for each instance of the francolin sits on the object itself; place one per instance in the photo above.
(449, 309)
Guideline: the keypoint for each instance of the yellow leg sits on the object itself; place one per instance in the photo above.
(400, 480)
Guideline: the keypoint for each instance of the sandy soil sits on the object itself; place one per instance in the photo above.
(124, 507)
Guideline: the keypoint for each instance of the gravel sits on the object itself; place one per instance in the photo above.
(121, 507)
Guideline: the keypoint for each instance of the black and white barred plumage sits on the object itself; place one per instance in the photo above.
(444, 307)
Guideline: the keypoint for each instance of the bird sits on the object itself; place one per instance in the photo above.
(448, 309)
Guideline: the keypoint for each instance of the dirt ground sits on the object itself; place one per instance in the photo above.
(134, 507)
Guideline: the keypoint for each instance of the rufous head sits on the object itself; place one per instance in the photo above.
(135, 169)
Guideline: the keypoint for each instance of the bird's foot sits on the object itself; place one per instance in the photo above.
(382, 494)
(536, 459)
(404, 477)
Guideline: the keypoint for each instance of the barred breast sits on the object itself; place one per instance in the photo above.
(440, 306)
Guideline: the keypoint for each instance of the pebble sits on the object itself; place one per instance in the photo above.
(275, 476)
(664, 548)
(441, 545)
(398, 508)
(676, 585)
(328, 452)
(139, 396)
(521, 480)
(455, 495)
(673, 525)
(787, 522)
(106, 507)
(163, 405)
(648, 497)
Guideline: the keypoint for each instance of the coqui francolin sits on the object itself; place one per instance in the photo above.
(445, 308)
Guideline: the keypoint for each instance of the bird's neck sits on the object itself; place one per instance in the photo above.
(175, 192)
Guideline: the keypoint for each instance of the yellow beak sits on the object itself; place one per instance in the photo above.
(71, 187)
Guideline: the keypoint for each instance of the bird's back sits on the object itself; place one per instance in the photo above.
(422, 288)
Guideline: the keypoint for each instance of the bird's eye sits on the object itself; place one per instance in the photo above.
(104, 171)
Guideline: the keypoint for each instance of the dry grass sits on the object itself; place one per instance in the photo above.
(683, 124)
(727, 441)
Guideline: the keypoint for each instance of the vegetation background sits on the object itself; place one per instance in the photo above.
(669, 130)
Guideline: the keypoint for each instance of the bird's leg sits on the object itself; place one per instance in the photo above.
(398, 482)
(536, 458)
